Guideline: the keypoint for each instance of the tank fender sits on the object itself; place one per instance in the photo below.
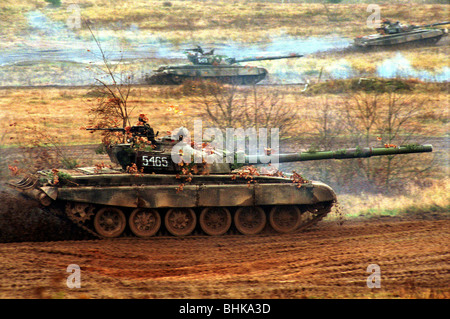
(323, 192)
(51, 192)
(45, 195)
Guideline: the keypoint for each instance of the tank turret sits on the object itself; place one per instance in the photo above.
(198, 57)
(161, 158)
(169, 186)
(211, 66)
(165, 154)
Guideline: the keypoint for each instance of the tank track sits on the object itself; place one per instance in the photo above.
(83, 216)
(55, 210)
(169, 79)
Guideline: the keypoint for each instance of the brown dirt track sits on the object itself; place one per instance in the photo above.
(329, 261)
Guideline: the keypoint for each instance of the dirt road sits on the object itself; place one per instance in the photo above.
(329, 261)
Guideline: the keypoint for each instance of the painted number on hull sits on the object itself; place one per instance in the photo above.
(202, 60)
(157, 161)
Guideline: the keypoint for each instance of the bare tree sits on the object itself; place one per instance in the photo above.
(269, 109)
(396, 126)
(231, 106)
(327, 126)
(398, 112)
(328, 123)
(223, 104)
(387, 119)
(361, 112)
(111, 95)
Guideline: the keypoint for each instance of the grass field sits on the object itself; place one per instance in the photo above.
(61, 112)
(418, 201)
(166, 28)
(245, 21)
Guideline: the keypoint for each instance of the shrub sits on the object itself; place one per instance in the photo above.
(55, 3)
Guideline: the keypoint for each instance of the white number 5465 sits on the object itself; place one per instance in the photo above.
(155, 161)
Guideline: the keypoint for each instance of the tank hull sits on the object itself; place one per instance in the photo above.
(231, 74)
(286, 205)
(208, 192)
(418, 35)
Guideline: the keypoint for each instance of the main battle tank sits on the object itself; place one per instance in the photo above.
(210, 66)
(155, 192)
(390, 34)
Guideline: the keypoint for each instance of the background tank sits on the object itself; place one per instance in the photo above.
(396, 33)
(210, 66)
(157, 195)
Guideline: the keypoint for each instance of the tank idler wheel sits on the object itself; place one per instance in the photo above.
(110, 222)
(285, 219)
(180, 221)
(250, 220)
(215, 221)
(144, 222)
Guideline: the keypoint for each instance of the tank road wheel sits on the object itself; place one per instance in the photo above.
(110, 222)
(285, 219)
(144, 222)
(176, 79)
(250, 220)
(180, 221)
(215, 221)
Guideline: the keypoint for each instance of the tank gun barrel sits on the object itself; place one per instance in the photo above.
(109, 129)
(345, 153)
(432, 24)
(277, 57)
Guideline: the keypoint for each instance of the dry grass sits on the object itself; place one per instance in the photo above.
(417, 201)
(221, 20)
(61, 112)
